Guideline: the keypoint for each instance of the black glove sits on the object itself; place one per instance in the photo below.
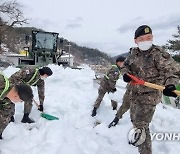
(168, 91)
(41, 108)
(94, 112)
(12, 119)
(126, 78)
(1, 136)
(114, 122)
(114, 90)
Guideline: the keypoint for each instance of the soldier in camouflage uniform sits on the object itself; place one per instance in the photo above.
(10, 94)
(32, 77)
(152, 64)
(108, 84)
(127, 98)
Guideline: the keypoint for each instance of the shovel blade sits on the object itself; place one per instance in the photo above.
(49, 117)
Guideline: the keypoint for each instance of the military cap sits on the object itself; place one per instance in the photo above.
(45, 70)
(120, 59)
(142, 30)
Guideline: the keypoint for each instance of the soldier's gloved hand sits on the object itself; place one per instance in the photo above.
(94, 112)
(114, 90)
(41, 108)
(168, 91)
(126, 78)
(114, 122)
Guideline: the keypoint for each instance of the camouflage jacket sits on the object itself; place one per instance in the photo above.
(4, 101)
(155, 66)
(111, 77)
(31, 77)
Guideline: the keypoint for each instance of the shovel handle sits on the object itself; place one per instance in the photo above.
(151, 85)
(35, 103)
(158, 87)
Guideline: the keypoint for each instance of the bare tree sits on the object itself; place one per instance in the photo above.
(10, 15)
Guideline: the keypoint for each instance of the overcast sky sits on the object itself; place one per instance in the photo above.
(107, 25)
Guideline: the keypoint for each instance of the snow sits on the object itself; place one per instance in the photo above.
(70, 95)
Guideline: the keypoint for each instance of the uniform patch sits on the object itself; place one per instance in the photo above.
(115, 73)
(27, 72)
(166, 55)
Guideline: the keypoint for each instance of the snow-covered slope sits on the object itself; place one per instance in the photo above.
(70, 95)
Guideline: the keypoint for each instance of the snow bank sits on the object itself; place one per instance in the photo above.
(70, 95)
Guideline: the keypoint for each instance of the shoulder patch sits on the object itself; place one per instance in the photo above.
(116, 73)
(27, 72)
(166, 55)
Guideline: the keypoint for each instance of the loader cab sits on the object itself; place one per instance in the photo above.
(43, 50)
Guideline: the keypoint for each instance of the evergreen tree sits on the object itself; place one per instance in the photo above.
(174, 45)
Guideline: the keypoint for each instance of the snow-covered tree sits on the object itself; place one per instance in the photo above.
(174, 45)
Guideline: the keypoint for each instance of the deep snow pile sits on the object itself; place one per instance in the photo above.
(70, 95)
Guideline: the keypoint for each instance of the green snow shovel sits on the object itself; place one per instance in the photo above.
(44, 115)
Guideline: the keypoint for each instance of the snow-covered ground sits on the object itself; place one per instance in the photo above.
(70, 95)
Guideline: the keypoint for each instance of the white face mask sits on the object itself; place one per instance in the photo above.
(43, 77)
(145, 45)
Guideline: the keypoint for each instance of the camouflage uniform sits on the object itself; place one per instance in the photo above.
(7, 108)
(127, 98)
(30, 76)
(107, 84)
(155, 66)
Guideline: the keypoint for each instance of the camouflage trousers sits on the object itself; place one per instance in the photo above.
(27, 106)
(6, 112)
(127, 98)
(101, 93)
(141, 113)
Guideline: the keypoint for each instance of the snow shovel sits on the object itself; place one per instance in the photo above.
(148, 84)
(44, 115)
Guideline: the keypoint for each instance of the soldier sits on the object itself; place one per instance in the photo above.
(32, 77)
(10, 94)
(127, 98)
(152, 64)
(108, 84)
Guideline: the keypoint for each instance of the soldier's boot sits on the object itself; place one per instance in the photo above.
(12, 119)
(1, 136)
(94, 112)
(115, 108)
(26, 119)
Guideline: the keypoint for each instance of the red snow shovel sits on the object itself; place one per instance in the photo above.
(148, 84)
(44, 115)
